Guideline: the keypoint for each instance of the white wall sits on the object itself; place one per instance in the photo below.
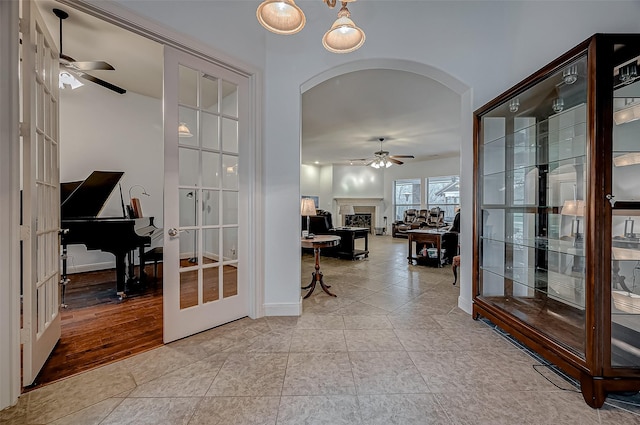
(357, 182)
(309, 180)
(105, 131)
(326, 187)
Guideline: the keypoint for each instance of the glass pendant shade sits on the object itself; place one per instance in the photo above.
(344, 36)
(281, 16)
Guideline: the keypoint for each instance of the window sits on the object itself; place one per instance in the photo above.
(406, 195)
(444, 192)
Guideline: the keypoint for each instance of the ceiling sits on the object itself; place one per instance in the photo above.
(342, 118)
(137, 60)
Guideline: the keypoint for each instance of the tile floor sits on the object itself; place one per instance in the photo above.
(392, 348)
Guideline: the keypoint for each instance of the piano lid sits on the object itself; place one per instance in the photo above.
(87, 198)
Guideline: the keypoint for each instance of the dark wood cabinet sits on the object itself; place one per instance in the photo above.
(556, 197)
(348, 238)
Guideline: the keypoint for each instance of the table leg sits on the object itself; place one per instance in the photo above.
(317, 278)
(410, 257)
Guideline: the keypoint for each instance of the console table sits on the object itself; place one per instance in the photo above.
(348, 236)
(424, 236)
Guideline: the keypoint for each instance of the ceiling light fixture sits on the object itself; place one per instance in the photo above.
(183, 130)
(381, 163)
(285, 17)
(68, 80)
(514, 105)
(570, 74)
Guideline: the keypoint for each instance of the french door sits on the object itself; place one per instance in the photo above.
(40, 193)
(205, 195)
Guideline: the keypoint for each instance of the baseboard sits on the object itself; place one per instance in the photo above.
(283, 309)
(90, 267)
(465, 304)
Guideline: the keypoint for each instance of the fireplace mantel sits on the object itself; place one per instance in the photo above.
(376, 203)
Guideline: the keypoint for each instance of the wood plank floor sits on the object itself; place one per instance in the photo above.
(98, 328)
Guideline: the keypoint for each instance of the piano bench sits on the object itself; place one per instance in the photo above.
(154, 255)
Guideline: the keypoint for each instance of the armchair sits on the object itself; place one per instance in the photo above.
(436, 217)
(399, 228)
(421, 220)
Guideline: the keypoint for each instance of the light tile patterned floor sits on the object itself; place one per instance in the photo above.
(392, 348)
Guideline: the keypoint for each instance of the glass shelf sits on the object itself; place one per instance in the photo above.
(562, 287)
(526, 157)
(548, 244)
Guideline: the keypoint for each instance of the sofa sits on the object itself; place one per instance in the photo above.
(412, 219)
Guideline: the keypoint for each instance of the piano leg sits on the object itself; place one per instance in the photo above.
(63, 278)
(121, 274)
(143, 275)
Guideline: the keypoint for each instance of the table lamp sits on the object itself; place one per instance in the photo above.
(574, 208)
(308, 208)
(346, 210)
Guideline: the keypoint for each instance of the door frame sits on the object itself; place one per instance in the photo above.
(9, 208)
(10, 387)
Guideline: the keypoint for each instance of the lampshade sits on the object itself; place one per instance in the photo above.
(281, 16)
(307, 207)
(574, 208)
(344, 36)
(346, 210)
(631, 158)
(183, 130)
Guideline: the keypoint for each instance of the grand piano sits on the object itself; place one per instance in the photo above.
(81, 203)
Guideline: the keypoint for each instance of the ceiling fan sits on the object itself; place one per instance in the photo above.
(74, 68)
(382, 158)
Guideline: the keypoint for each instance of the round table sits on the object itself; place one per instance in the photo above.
(318, 241)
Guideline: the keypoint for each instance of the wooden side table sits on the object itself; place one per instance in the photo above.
(319, 241)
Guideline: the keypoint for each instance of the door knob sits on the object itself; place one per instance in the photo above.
(173, 232)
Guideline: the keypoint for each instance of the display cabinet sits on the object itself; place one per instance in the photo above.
(557, 213)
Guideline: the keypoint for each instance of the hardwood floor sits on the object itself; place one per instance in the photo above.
(98, 328)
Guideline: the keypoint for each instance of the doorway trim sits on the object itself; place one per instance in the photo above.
(10, 387)
(9, 208)
(466, 145)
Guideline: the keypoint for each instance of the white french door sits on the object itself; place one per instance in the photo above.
(40, 193)
(205, 195)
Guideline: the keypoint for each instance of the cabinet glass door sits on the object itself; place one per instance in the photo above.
(532, 165)
(625, 220)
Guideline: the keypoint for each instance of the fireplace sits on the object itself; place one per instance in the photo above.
(359, 220)
(368, 212)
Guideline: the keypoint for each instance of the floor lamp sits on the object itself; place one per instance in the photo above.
(194, 258)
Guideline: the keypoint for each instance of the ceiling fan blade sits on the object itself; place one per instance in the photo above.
(371, 161)
(395, 161)
(92, 66)
(401, 156)
(66, 58)
(103, 83)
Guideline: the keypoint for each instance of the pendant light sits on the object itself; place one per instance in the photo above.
(344, 36)
(281, 16)
(285, 17)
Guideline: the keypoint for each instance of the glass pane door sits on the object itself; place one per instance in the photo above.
(625, 221)
(204, 126)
